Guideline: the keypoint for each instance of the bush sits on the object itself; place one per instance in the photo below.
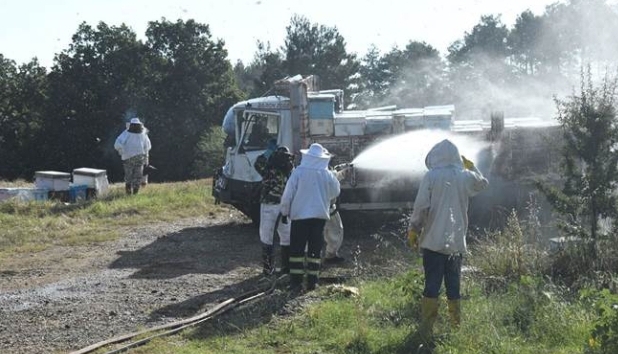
(571, 266)
(210, 153)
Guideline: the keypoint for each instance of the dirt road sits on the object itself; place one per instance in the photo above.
(66, 298)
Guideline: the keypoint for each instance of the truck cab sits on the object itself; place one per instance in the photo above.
(249, 125)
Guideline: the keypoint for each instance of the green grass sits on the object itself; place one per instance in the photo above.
(518, 322)
(379, 321)
(35, 226)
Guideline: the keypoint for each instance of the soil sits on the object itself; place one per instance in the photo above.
(66, 298)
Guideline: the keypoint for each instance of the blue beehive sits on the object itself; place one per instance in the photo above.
(322, 106)
(77, 193)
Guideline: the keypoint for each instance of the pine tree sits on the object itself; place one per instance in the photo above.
(590, 161)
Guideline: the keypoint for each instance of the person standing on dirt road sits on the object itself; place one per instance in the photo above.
(440, 215)
(306, 200)
(275, 166)
(133, 145)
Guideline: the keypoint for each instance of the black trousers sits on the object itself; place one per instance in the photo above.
(307, 233)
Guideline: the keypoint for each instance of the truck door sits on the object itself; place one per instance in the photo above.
(253, 131)
(238, 183)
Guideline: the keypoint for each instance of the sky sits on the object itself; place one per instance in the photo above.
(43, 28)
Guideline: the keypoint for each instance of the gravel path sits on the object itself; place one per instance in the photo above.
(66, 298)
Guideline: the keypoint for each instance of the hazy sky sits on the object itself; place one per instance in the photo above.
(42, 28)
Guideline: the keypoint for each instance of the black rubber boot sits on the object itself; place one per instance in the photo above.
(296, 284)
(267, 259)
(285, 260)
(127, 188)
(312, 282)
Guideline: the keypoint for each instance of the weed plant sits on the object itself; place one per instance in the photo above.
(508, 255)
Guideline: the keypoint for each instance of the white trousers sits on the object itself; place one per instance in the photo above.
(268, 218)
(333, 235)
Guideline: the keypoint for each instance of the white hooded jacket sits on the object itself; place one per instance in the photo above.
(441, 205)
(132, 144)
(309, 190)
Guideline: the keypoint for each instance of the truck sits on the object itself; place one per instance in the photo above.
(301, 114)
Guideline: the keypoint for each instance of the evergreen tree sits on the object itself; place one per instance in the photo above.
(312, 49)
(23, 100)
(91, 86)
(268, 66)
(590, 131)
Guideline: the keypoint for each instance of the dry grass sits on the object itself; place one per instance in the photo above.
(34, 226)
(20, 183)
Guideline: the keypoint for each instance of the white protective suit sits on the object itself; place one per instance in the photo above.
(303, 198)
(132, 144)
(441, 205)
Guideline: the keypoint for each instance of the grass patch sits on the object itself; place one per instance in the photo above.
(384, 315)
(35, 226)
(526, 314)
(527, 318)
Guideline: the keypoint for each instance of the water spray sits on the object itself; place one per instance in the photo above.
(405, 154)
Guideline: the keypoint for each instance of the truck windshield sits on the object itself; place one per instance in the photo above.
(257, 129)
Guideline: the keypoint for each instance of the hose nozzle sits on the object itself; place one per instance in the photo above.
(344, 166)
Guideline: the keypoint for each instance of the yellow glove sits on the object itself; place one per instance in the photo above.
(468, 165)
(413, 239)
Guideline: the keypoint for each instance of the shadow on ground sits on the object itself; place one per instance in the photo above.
(215, 249)
(198, 304)
(250, 315)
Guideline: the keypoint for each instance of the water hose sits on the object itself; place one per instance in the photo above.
(177, 326)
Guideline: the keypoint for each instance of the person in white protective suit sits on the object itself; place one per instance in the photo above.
(133, 145)
(306, 199)
(440, 216)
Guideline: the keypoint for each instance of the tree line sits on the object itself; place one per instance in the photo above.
(180, 82)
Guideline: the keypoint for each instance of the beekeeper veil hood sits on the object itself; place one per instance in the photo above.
(316, 157)
(443, 154)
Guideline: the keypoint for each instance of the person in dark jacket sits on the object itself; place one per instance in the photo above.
(275, 166)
